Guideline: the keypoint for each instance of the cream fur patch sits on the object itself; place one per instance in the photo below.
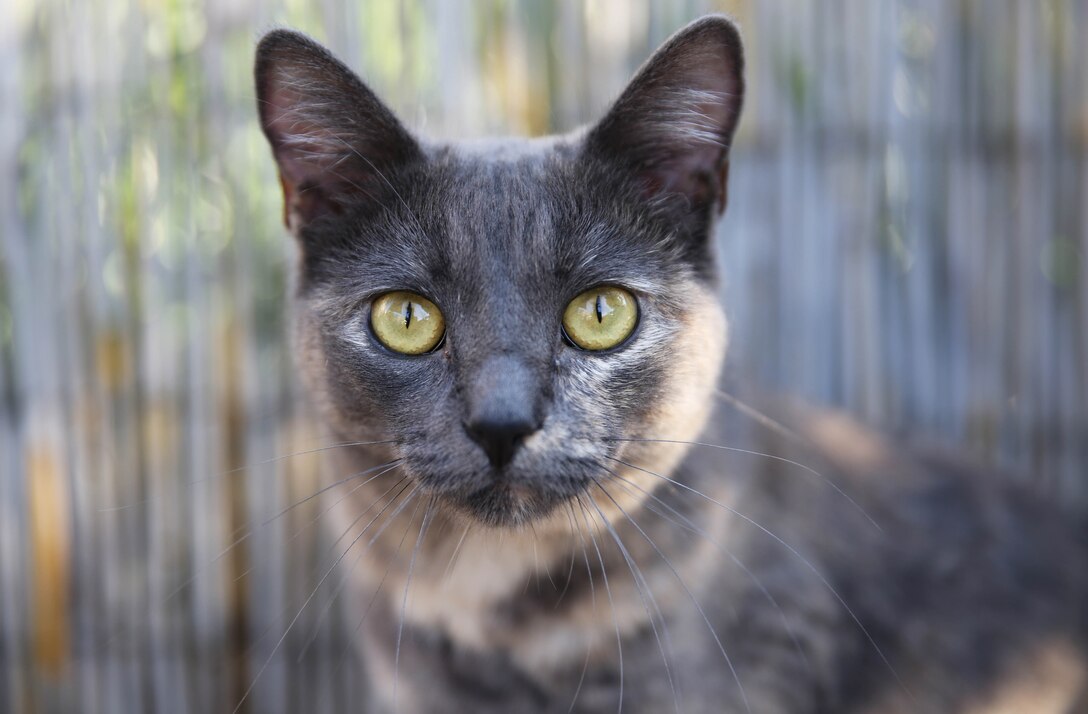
(1052, 680)
(698, 353)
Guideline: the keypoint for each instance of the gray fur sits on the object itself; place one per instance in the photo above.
(874, 578)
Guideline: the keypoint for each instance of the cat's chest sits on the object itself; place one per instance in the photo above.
(450, 579)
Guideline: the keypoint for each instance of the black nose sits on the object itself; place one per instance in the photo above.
(499, 437)
(504, 406)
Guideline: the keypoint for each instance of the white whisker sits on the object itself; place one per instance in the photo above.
(774, 457)
(797, 554)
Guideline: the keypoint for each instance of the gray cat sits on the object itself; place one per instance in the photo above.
(521, 340)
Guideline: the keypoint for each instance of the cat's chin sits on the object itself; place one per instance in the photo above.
(505, 505)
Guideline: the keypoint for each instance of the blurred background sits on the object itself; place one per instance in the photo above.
(907, 238)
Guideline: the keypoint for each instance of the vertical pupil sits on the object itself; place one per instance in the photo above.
(407, 314)
(600, 312)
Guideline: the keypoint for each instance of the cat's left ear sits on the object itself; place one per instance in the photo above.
(335, 142)
(673, 125)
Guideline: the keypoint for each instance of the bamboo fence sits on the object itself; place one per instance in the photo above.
(907, 239)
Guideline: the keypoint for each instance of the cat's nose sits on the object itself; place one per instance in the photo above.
(503, 407)
(500, 438)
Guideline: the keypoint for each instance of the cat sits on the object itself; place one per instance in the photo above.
(516, 344)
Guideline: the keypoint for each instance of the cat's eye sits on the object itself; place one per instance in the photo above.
(406, 322)
(601, 318)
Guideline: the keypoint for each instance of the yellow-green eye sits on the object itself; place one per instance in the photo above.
(601, 318)
(407, 323)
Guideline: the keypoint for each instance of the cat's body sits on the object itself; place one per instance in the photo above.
(516, 532)
(964, 596)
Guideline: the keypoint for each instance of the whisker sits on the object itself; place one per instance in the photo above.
(456, 552)
(265, 523)
(762, 419)
(536, 560)
(581, 680)
(611, 602)
(392, 465)
(298, 614)
(693, 528)
(775, 457)
(317, 569)
(570, 570)
(344, 581)
(385, 575)
(271, 627)
(399, 482)
(648, 600)
(529, 577)
(404, 600)
(679, 579)
(585, 554)
(332, 549)
(796, 554)
(592, 598)
(239, 469)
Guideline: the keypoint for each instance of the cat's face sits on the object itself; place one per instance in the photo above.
(502, 398)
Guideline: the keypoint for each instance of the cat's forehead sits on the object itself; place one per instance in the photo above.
(506, 179)
(497, 210)
(528, 211)
(506, 150)
(509, 200)
(474, 219)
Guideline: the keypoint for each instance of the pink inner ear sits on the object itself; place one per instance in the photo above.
(686, 143)
(320, 165)
(699, 184)
(335, 142)
(306, 147)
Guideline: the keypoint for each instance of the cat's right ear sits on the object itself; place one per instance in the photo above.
(333, 139)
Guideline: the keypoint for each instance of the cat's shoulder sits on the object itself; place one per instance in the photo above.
(951, 565)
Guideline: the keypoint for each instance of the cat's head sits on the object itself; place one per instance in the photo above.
(508, 312)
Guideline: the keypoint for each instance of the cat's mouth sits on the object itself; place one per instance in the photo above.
(537, 485)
